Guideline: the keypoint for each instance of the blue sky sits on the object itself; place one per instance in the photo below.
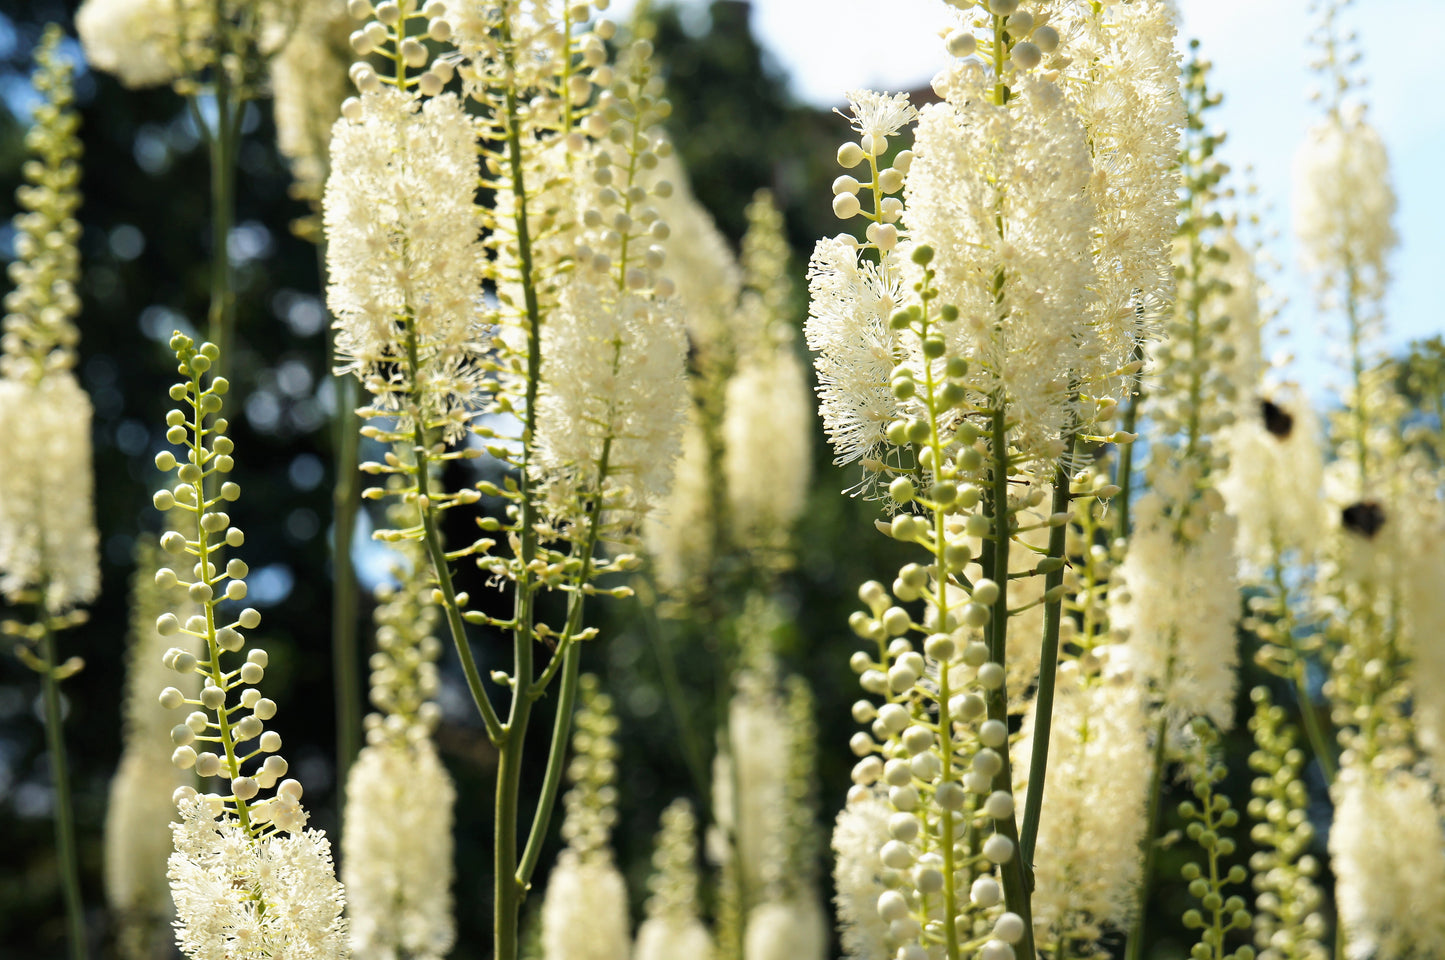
(1260, 56)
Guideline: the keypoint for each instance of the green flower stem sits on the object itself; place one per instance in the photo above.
(1125, 476)
(223, 143)
(507, 900)
(936, 408)
(569, 656)
(1048, 667)
(692, 748)
(1134, 950)
(1017, 884)
(65, 847)
(346, 502)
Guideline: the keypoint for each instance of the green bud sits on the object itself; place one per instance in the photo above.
(1190, 871)
(922, 254)
(934, 347)
(957, 366)
(220, 385)
(210, 351)
(901, 490)
(903, 388)
(900, 320)
(178, 391)
(918, 431)
(897, 433)
(952, 394)
(949, 313)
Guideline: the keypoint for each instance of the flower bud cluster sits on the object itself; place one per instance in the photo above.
(591, 802)
(398, 30)
(404, 677)
(930, 751)
(1288, 921)
(876, 117)
(1208, 817)
(226, 728)
(39, 330)
(1026, 38)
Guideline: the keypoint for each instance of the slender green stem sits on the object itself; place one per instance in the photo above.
(508, 892)
(346, 502)
(676, 700)
(1048, 668)
(221, 317)
(1125, 476)
(556, 764)
(1135, 948)
(65, 847)
(1017, 882)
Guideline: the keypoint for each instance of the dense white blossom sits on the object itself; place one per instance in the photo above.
(584, 912)
(850, 303)
(1386, 848)
(243, 898)
(767, 427)
(679, 532)
(1023, 171)
(133, 39)
(403, 253)
(1088, 858)
(792, 929)
(1121, 70)
(858, 875)
(672, 928)
(613, 383)
(1343, 206)
(1273, 484)
(1178, 603)
(397, 852)
(47, 528)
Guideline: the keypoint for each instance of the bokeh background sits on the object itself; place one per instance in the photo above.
(753, 87)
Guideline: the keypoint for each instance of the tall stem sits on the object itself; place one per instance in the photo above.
(65, 849)
(1321, 746)
(1135, 948)
(508, 892)
(1016, 881)
(346, 502)
(1048, 668)
(1125, 476)
(223, 143)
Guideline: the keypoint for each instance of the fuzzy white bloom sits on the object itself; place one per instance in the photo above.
(138, 841)
(135, 40)
(678, 533)
(1178, 603)
(850, 302)
(767, 432)
(786, 930)
(666, 938)
(397, 852)
(1122, 73)
(860, 833)
(1088, 858)
(404, 255)
(308, 82)
(241, 898)
(47, 527)
(1021, 173)
(584, 913)
(139, 813)
(1343, 205)
(700, 263)
(613, 383)
(1386, 849)
(1273, 484)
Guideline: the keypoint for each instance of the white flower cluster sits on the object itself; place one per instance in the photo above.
(612, 390)
(404, 255)
(242, 898)
(141, 804)
(308, 85)
(48, 541)
(1177, 603)
(1385, 848)
(1087, 863)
